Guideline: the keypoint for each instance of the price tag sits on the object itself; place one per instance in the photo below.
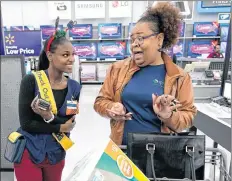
(110, 59)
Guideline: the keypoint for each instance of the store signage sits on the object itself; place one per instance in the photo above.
(120, 9)
(59, 8)
(224, 17)
(2, 52)
(28, 43)
(213, 4)
(186, 8)
(89, 9)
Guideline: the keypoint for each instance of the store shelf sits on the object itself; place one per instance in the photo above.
(115, 39)
(91, 82)
(101, 61)
(125, 39)
(184, 59)
(200, 37)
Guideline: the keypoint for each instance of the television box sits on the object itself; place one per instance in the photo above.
(86, 50)
(128, 51)
(130, 27)
(200, 48)
(181, 29)
(205, 29)
(48, 30)
(223, 47)
(169, 52)
(20, 28)
(224, 30)
(80, 31)
(102, 70)
(88, 72)
(111, 50)
(106, 162)
(110, 30)
(178, 49)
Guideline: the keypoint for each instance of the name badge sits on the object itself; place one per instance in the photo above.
(72, 107)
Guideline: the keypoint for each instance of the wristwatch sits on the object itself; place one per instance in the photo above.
(50, 120)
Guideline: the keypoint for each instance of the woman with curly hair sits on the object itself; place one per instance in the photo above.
(147, 92)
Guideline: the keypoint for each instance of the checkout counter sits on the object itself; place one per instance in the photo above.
(212, 119)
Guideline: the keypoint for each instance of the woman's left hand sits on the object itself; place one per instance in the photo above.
(164, 105)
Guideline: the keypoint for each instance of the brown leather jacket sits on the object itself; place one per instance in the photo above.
(177, 83)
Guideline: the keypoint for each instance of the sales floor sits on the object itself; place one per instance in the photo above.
(90, 130)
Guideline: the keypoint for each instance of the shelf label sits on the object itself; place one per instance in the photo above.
(110, 59)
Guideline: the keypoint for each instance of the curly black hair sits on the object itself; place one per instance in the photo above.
(164, 18)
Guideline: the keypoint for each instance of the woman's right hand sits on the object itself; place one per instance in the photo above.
(118, 112)
(68, 126)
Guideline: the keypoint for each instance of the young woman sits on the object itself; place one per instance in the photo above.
(148, 92)
(43, 157)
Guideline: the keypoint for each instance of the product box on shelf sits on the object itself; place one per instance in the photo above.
(200, 48)
(205, 29)
(102, 70)
(4, 28)
(128, 51)
(48, 30)
(130, 27)
(88, 72)
(224, 30)
(181, 29)
(223, 47)
(109, 30)
(178, 49)
(20, 28)
(111, 50)
(169, 52)
(86, 50)
(80, 31)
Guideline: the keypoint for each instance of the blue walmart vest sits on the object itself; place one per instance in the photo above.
(42, 145)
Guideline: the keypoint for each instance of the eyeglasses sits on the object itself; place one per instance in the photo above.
(140, 39)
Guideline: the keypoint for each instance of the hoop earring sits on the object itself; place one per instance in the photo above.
(160, 49)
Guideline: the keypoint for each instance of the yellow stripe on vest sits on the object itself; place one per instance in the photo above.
(45, 89)
(47, 94)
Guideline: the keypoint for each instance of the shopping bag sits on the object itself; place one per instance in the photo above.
(174, 156)
(106, 162)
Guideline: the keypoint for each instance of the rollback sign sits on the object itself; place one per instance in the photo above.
(27, 43)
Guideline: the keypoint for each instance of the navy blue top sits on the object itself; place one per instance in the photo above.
(40, 142)
(137, 98)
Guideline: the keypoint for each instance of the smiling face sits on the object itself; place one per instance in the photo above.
(62, 58)
(145, 44)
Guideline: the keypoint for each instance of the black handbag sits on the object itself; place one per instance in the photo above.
(15, 147)
(173, 156)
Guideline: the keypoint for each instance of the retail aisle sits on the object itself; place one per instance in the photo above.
(89, 130)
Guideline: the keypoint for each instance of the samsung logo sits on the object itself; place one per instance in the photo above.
(89, 6)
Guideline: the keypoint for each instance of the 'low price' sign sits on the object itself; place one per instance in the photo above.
(27, 43)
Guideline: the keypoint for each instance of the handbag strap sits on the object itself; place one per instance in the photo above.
(189, 166)
(150, 147)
